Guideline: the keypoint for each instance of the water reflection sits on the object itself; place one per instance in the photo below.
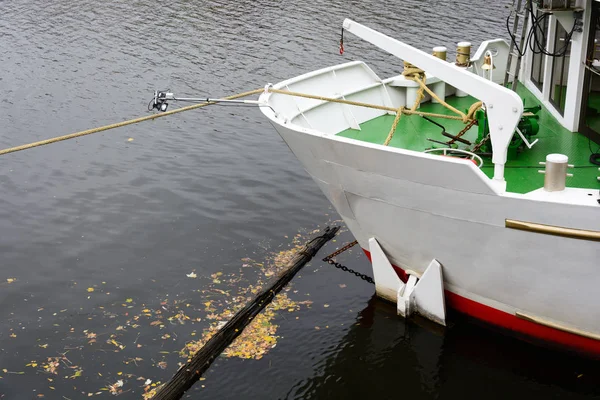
(383, 356)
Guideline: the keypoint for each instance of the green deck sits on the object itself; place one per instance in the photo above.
(521, 172)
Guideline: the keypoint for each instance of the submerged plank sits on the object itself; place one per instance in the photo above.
(188, 374)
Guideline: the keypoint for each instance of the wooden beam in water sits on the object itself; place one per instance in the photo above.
(191, 372)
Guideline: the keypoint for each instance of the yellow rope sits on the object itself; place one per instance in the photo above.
(418, 75)
(120, 124)
(398, 112)
(360, 104)
(413, 73)
(473, 109)
(394, 125)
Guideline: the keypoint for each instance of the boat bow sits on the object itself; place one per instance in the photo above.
(504, 107)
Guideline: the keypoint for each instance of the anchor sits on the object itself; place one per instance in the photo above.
(423, 294)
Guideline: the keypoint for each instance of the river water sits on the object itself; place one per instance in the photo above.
(119, 248)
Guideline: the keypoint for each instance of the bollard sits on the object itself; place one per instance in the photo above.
(555, 174)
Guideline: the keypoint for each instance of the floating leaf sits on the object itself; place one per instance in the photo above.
(77, 374)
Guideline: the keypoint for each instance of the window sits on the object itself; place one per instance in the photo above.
(560, 68)
(537, 69)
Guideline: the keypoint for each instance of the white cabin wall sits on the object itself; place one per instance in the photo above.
(572, 113)
(577, 71)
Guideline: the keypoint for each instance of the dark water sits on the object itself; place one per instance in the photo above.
(199, 192)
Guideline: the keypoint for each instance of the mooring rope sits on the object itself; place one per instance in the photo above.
(367, 105)
(120, 124)
(398, 111)
(394, 125)
(418, 75)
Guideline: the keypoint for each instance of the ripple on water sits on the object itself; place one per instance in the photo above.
(198, 192)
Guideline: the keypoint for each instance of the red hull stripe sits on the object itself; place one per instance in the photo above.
(517, 326)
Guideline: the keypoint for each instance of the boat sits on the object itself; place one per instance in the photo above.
(436, 171)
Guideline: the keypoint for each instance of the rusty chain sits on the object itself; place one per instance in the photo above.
(330, 259)
(480, 144)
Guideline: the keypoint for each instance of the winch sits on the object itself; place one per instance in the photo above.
(527, 128)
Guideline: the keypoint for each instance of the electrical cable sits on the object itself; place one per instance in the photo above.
(595, 155)
(537, 38)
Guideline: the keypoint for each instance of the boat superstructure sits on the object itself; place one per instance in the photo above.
(435, 172)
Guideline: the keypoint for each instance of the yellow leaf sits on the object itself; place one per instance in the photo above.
(11, 280)
(130, 140)
(90, 289)
(129, 300)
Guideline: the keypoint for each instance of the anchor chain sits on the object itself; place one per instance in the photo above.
(330, 259)
(461, 133)
(480, 144)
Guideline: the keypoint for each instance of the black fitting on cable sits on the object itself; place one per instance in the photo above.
(159, 102)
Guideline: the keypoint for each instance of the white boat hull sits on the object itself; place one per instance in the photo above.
(421, 207)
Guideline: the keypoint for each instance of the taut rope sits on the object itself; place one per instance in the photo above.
(399, 112)
(120, 124)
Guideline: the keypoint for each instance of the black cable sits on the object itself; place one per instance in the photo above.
(533, 40)
(595, 155)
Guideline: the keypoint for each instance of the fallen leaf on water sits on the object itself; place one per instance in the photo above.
(191, 275)
(77, 374)
(90, 289)
(11, 280)
(130, 139)
(114, 388)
